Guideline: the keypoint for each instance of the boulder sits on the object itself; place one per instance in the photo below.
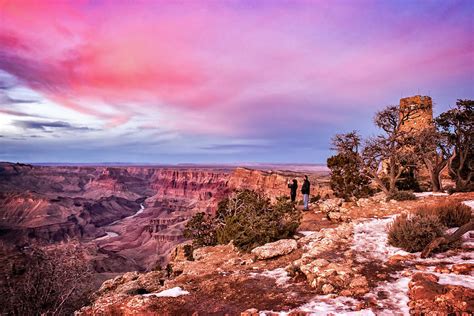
(338, 217)
(359, 285)
(363, 202)
(428, 297)
(327, 288)
(331, 205)
(395, 259)
(250, 312)
(275, 249)
(463, 268)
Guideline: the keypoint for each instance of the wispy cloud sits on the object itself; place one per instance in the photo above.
(232, 71)
(44, 125)
(234, 146)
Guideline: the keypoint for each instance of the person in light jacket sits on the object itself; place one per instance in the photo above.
(305, 191)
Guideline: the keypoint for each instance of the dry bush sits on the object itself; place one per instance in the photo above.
(402, 196)
(56, 281)
(413, 233)
(451, 214)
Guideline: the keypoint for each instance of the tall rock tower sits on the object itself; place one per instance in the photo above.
(422, 115)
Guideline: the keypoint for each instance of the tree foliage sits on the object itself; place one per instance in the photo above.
(386, 155)
(457, 126)
(247, 218)
(347, 180)
(433, 150)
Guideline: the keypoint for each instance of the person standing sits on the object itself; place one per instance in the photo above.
(293, 186)
(305, 191)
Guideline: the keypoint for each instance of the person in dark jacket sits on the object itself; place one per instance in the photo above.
(305, 191)
(293, 186)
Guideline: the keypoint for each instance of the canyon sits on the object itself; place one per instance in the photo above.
(127, 223)
(125, 217)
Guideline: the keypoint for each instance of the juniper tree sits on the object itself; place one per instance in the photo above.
(457, 125)
(347, 180)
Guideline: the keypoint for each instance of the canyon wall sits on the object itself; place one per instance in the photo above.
(138, 213)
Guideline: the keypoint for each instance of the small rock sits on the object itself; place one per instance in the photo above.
(463, 268)
(345, 292)
(250, 312)
(275, 249)
(327, 288)
(442, 269)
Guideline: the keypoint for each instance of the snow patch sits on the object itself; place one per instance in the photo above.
(306, 232)
(370, 241)
(455, 279)
(423, 194)
(396, 301)
(323, 305)
(469, 203)
(173, 292)
(280, 275)
(342, 305)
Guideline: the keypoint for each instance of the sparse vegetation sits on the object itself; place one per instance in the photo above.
(402, 196)
(414, 232)
(201, 228)
(457, 127)
(248, 219)
(347, 180)
(387, 152)
(451, 214)
(47, 282)
(188, 252)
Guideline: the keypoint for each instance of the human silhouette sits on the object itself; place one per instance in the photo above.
(293, 186)
(305, 188)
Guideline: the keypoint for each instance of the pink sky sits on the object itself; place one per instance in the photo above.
(266, 73)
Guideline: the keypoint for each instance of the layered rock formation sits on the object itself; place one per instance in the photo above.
(135, 212)
(340, 270)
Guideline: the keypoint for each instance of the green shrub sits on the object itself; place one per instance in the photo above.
(201, 228)
(402, 196)
(413, 233)
(451, 214)
(408, 181)
(347, 180)
(247, 218)
(188, 252)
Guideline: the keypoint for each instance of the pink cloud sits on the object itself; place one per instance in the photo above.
(206, 63)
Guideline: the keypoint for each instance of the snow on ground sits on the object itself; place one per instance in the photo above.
(323, 305)
(469, 203)
(306, 232)
(396, 301)
(423, 194)
(280, 275)
(455, 279)
(370, 244)
(370, 241)
(173, 292)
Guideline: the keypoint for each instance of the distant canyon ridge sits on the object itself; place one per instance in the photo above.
(125, 218)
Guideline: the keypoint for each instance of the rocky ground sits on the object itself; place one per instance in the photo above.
(337, 264)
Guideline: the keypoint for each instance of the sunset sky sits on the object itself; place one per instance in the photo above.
(218, 81)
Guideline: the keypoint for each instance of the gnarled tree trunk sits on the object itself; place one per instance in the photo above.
(447, 239)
